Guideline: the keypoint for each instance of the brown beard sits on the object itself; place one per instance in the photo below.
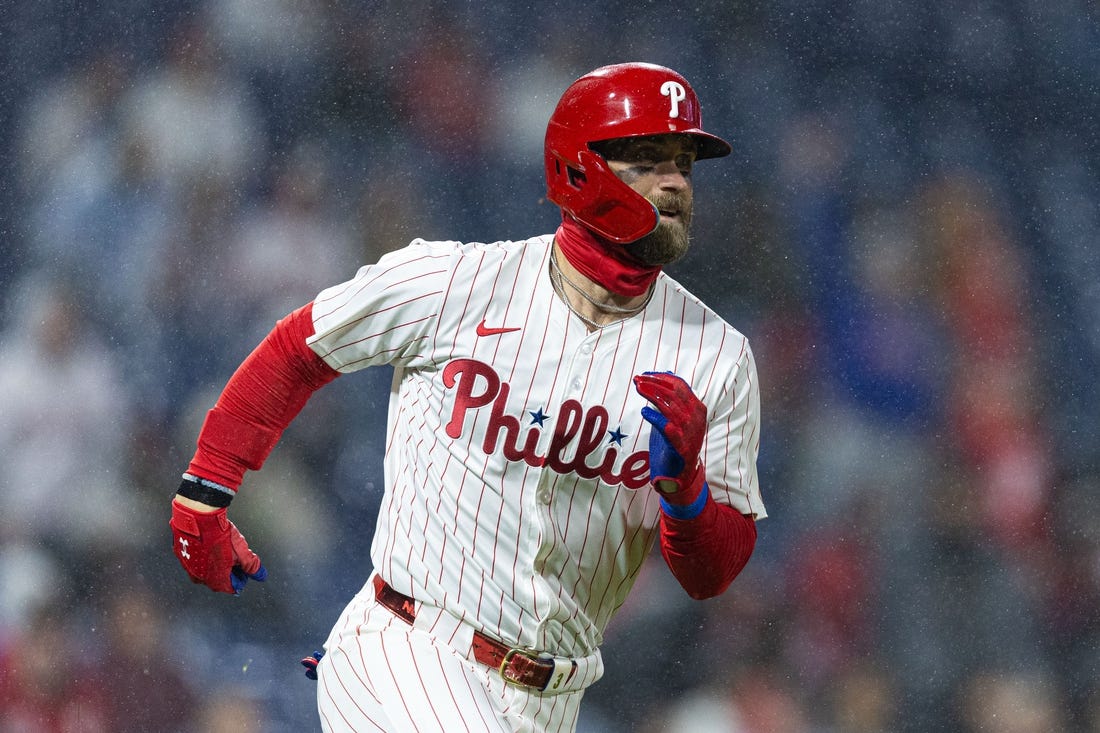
(670, 240)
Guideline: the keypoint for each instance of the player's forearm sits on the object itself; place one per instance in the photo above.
(707, 552)
(260, 400)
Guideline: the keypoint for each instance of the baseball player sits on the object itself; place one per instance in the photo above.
(559, 405)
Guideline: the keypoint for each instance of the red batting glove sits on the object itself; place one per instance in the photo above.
(212, 550)
(679, 425)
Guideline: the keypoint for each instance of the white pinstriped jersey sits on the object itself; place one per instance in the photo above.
(517, 493)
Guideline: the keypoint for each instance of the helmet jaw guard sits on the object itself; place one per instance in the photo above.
(619, 101)
(595, 196)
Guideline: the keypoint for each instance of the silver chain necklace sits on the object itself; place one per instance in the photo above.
(559, 280)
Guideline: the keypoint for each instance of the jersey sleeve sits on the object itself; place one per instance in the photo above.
(733, 440)
(387, 312)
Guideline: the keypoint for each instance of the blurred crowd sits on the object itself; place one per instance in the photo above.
(906, 232)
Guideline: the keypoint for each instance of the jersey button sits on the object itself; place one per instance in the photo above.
(543, 495)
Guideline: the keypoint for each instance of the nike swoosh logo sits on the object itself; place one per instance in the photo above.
(483, 330)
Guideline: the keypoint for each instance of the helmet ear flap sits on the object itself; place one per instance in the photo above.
(602, 202)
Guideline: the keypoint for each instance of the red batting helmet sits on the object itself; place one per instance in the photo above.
(622, 100)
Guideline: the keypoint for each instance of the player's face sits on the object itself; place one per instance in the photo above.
(659, 168)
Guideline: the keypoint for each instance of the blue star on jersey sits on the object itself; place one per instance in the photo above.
(617, 436)
(538, 417)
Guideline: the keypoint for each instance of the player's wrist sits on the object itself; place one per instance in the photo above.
(690, 510)
(202, 494)
(683, 489)
(195, 506)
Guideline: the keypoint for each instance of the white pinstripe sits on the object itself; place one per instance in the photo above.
(531, 533)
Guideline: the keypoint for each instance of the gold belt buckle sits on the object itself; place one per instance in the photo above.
(508, 658)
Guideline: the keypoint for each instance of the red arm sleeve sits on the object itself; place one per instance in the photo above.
(261, 398)
(707, 552)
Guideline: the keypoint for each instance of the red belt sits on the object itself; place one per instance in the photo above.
(516, 666)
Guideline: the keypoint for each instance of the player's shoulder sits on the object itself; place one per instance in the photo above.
(463, 254)
(477, 248)
(693, 311)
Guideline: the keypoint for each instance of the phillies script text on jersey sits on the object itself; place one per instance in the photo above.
(588, 427)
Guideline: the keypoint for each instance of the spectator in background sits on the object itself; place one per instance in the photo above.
(95, 212)
(31, 576)
(287, 243)
(64, 427)
(447, 98)
(994, 397)
(866, 282)
(830, 576)
(46, 684)
(232, 711)
(107, 223)
(761, 699)
(194, 325)
(1070, 583)
(66, 126)
(277, 48)
(141, 664)
(1023, 702)
(193, 116)
(861, 700)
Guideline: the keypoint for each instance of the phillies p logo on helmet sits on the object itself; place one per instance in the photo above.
(676, 94)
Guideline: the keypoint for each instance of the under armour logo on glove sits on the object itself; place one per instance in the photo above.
(212, 551)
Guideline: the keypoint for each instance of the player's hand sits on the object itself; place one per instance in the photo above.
(311, 662)
(212, 550)
(679, 424)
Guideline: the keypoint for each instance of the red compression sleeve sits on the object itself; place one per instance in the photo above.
(261, 398)
(707, 552)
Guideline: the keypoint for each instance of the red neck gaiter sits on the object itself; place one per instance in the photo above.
(603, 261)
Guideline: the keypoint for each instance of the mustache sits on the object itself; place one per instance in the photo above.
(671, 201)
(680, 203)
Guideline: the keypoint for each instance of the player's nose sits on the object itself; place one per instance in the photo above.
(670, 177)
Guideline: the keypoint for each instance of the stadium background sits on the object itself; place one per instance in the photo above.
(906, 231)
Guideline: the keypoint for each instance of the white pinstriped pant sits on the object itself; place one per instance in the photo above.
(380, 674)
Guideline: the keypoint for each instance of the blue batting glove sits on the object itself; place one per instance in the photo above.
(310, 663)
(239, 578)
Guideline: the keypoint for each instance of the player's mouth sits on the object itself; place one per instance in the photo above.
(672, 209)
